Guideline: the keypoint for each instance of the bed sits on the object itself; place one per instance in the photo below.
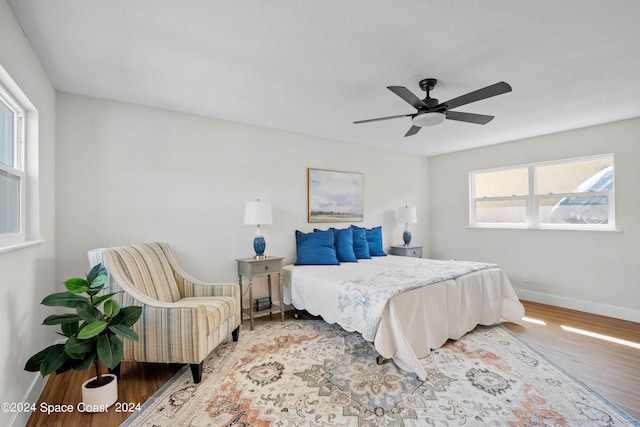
(405, 306)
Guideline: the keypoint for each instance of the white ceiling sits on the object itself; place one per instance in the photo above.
(313, 67)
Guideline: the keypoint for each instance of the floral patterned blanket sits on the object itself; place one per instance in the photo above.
(361, 300)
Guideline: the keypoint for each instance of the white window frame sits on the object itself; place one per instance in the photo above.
(532, 199)
(25, 166)
(18, 168)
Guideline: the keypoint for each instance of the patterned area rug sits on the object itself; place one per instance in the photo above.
(310, 373)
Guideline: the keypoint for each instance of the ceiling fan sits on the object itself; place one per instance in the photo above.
(431, 112)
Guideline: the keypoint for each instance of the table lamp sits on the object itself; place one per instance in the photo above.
(258, 213)
(406, 214)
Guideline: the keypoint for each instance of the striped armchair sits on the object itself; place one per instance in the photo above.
(183, 319)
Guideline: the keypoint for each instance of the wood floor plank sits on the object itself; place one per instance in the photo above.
(610, 369)
(137, 382)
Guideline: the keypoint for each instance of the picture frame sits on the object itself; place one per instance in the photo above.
(334, 196)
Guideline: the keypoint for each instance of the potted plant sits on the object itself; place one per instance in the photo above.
(93, 335)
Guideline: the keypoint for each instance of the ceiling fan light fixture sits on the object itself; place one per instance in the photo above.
(428, 119)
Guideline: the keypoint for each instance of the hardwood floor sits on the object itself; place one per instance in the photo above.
(610, 369)
(137, 382)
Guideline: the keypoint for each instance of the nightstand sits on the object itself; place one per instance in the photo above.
(252, 267)
(412, 251)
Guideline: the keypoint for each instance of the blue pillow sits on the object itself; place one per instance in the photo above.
(344, 245)
(374, 238)
(343, 240)
(360, 244)
(316, 248)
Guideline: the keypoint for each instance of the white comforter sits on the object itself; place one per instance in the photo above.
(405, 306)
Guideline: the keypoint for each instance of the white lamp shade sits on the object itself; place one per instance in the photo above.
(257, 213)
(407, 215)
(428, 119)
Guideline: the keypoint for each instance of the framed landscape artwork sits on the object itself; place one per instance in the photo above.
(334, 196)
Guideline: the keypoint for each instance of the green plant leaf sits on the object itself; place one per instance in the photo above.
(77, 347)
(53, 360)
(111, 308)
(68, 364)
(89, 313)
(104, 297)
(83, 364)
(61, 319)
(99, 281)
(77, 285)
(94, 292)
(128, 316)
(92, 329)
(65, 299)
(124, 332)
(34, 362)
(110, 350)
(96, 271)
(68, 329)
(77, 356)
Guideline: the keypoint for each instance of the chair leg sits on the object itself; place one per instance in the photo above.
(196, 371)
(235, 334)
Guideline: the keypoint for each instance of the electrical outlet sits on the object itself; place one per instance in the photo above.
(525, 278)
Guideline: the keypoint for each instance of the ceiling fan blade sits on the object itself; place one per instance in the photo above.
(479, 119)
(382, 118)
(477, 95)
(412, 131)
(408, 96)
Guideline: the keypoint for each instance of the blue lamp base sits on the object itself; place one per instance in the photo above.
(259, 246)
(406, 236)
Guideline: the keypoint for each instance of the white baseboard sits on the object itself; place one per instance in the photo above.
(32, 397)
(581, 305)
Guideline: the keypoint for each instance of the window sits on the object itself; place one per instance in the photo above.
(12, 173)
(567, 194)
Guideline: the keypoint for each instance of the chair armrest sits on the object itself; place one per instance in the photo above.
(190, 287)
(195, 288)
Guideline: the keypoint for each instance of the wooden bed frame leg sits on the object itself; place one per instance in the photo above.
(380, 360)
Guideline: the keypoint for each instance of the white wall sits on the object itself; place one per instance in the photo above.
(27, 274)
(129, 174)
(592, 271)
